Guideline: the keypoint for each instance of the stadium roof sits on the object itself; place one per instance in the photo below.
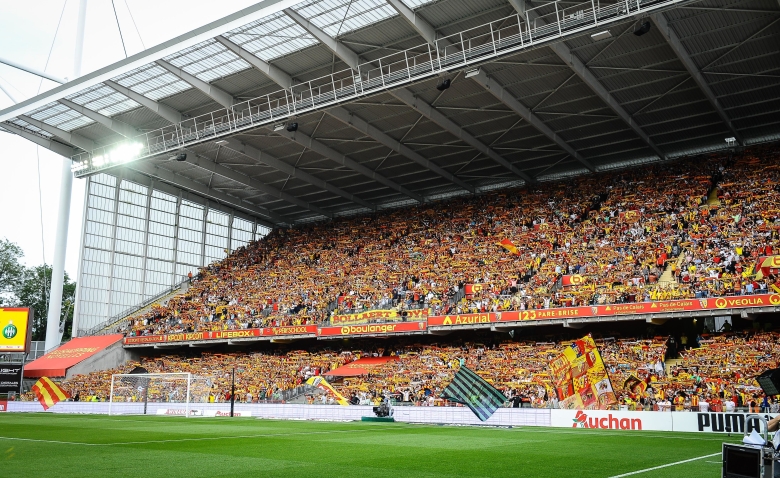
(530, 99)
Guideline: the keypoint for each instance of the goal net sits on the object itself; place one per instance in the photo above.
(158, 394)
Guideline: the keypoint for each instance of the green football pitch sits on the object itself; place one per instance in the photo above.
(86, 446)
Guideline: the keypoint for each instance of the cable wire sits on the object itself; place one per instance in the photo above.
(134, 25)
(119, 28)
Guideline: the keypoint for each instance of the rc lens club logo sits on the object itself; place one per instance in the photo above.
(10, 331)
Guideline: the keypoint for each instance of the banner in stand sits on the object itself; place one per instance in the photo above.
(607, 310)
(373, 329)
(285, 331)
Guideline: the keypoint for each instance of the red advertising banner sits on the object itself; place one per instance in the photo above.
(659, 307)
(373, 329)
(3, 406)
(310, 330)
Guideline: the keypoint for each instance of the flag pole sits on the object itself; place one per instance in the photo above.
(233, 393)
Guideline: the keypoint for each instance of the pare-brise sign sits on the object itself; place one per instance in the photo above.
(611, 420)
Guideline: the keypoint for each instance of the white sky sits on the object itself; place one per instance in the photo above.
(26, 33)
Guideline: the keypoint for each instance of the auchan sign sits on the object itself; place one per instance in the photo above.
(612, 420)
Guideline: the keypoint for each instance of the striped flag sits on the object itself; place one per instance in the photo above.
(473, 391)
(48, 392)
(509, 246)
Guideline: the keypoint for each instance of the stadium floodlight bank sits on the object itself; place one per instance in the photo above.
(148, 393)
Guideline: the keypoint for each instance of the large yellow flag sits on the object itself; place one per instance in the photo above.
(49, 393)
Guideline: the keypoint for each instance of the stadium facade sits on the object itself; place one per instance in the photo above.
(291, 112)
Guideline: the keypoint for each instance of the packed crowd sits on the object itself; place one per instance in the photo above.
(614, 233)
(715, 373)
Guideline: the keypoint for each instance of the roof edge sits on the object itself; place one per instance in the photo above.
(205, 32)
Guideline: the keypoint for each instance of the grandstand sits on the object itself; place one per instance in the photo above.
(381, 191)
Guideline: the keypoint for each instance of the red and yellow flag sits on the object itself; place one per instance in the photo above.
(509, 246)
(48, 392)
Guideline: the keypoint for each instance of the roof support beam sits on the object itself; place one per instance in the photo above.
(492, 86)
(164, 111)
(339, 49)
(679, 49)
(344, 160)
(114, 125)
(438, 117)
(280, 165)
(352, 59)
(220, 96)
(565, 54)
(73, 138)
(584, 74)
(178, 180)
(33, 71)
(284, 80)
(220, 170)
(424, 28)
(53, 146)
(428, 32)
(274, 73)
(366, 128)
(236, 145)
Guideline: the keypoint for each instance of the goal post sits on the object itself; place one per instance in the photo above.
(146, 393)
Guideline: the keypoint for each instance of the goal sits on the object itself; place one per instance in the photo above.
(157, 394)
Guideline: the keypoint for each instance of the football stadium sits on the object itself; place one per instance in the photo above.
(413, 238)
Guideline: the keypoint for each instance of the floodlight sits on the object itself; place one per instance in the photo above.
(473, 72)
(601, 35)
(278, 127)
(221, 142)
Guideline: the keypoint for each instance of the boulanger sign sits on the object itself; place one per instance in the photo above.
(15, 329)
(373, 329)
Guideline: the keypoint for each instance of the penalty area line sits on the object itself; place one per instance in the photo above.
(665, 466)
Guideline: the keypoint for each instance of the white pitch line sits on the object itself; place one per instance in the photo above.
(612, 432)
(175, 440)
(665, 466)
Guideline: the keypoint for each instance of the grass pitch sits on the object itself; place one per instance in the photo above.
(87, 446)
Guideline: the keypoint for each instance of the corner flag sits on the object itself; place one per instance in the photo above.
(48, 392)
(473, 391)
